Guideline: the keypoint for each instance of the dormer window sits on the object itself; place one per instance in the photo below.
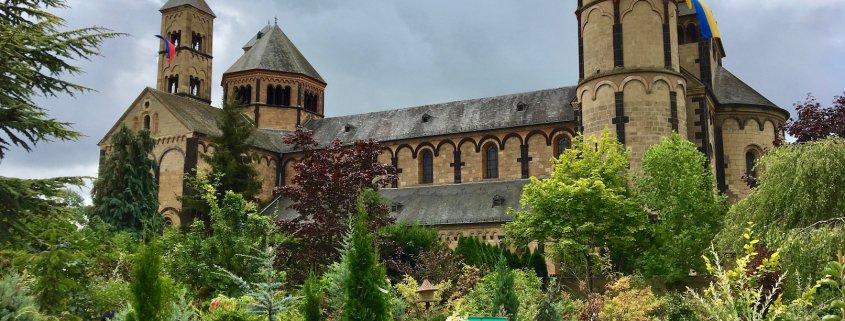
(396, 207)
(521, 106)
(348, 128)
(498, 200)
(426, 118)
(259, 35)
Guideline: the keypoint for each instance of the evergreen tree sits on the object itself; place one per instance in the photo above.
(550, 304)
(15, 303)
(311, 293)
(36, 52)
(505, 302)
(231, 154)
(147, 285)
(365, 288)
(538, 263)
(126, 194)
(264, 290)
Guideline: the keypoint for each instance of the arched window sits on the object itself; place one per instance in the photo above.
(278, 92)
(176, 38)
(194, 86)
(243, 94)
(750, 161)
(692, 33)
(681, 35)
(286, 96)
(563, 143)
(426, 167)
(310, 102)
(491, 161)
(173, 84)
(147, 122)
(196, 42)
(271, 95)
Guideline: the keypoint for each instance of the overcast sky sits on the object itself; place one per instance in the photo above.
(378, 55)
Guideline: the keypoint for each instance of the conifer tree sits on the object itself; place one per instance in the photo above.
(231, 154)
(505, 302)
(311, 294)
(365, 288)
(126, 194)
(17, 304)
(147, 287)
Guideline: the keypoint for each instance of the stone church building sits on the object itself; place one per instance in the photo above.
(644, 73)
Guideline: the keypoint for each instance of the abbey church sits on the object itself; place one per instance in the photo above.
(645, 71)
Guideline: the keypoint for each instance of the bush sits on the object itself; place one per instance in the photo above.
(676, 307)
(478, 301)
(15, 301)
(624, 301)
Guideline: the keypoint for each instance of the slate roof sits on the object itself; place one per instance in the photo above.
(685, 10)
(731, 90)
(270, 49)
(542, 107)
(202, 118)
(199, 4)
(465, 203)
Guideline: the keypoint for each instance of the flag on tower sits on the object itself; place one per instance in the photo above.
(709, 28)
(169, 48)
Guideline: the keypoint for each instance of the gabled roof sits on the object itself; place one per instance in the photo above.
(465, 203)
(731, 90)
(542, 107)
(199, 4)
(202, 118)
(270, 49)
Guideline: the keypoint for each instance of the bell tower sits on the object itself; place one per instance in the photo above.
(629, 79)
(189, 25)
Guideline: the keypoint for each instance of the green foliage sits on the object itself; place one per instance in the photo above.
(126, 194)
(412, 239)
(479, 300)
(36, 54)
(231, 154)
(230, 309)
(678, 186)
(551, 308)
(23, 201)
(835, 280)
(312, 296)
(625, 301)
(676, 307)
(15, 303)
(584, 205)
(505, 302)
(798, 205)
(109, 294)
(366, 297)
(237, 230)
(265, 289)
(147, 287)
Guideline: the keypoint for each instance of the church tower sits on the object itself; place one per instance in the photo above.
(189, 25)
(277, 87)
(630, 80)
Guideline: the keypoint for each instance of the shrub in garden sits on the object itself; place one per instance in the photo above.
(147, 287)
(479, 301)
(624, 301)
(15, 302)
(365, 297)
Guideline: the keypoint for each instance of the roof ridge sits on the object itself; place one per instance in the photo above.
(199, 4)
(451, 102)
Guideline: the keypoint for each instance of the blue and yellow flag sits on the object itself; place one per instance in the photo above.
(709, 28)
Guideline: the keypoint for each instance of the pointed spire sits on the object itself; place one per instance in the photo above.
(199, 4)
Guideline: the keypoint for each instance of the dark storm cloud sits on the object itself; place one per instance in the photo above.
(379, 55)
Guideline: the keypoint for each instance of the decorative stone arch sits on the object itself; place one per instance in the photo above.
(641, 79)
(166, 151)
(171, 216)
(681, 83)
(537, 132)
(582, 91)
(634, 3)
(589, 13)
(556, 131)
(264, 158)
(740, 124)
(750, 119)
(768, 120)
(405, 146)
(385, 148)
(510, 136)
(442, 143)
(605, 83)
(486, 138)
(422, 145)
(665, 80)
(468, 140)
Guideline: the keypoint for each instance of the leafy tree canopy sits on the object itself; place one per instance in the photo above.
(36, 53)
(816, 122)
(678, 187)
(231, 154)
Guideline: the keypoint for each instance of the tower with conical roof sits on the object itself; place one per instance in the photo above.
(277, 86)
(188, 24)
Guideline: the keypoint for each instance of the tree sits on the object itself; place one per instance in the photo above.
(148, 298)
(816, 122)
(231, 157)
(678, 187)
(366, 297)
(126, 194)
(264, 290)
(18, 305)
(328, 182)
(585, 205)
(312, 296)
(798, 205)
(36, 54)
(23, 201)
(505, 302)
(236, 231)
